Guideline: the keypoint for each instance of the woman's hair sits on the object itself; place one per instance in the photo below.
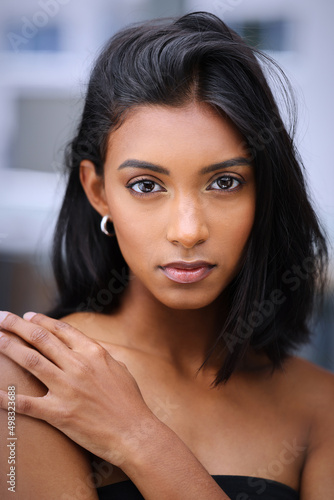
(172, 62)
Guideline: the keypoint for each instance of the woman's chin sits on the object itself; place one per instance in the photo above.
(182, 301)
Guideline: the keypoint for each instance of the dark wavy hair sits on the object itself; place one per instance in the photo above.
(171, 62)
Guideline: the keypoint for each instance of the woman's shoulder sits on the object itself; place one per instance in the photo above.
(82, 320)
(103, 328)
(49, 464)
(307, 378)
(312, 391)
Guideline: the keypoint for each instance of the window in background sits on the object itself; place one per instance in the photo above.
(270, 35)
(44, 126)
(32, 38)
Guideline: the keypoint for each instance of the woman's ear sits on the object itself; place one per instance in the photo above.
(94, 187)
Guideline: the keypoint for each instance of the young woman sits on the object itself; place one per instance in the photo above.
(188, 257)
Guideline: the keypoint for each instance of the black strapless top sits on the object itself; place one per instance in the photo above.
(236, 487)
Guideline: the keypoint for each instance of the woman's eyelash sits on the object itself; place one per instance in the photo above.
(225, 182)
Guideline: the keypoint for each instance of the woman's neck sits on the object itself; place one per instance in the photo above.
(182, 336)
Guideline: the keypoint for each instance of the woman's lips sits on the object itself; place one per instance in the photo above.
(189, 275)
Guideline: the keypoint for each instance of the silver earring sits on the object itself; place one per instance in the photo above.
(103, 226)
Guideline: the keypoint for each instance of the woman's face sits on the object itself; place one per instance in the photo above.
(179, 187)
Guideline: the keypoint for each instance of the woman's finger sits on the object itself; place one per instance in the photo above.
(37, 407)
(30, 359)
(69, 335)
(38, 336)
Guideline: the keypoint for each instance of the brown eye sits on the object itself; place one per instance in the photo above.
(226, 183)
(145, 186)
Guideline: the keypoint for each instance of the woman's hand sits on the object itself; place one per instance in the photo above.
(92, 398)
(96, 402)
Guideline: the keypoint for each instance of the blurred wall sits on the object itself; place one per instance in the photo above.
(46, 50)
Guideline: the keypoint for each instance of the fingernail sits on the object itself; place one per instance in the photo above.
(28, 315)
(3, 314)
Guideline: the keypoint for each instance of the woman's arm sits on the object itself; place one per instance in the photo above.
(95, 401)
(37, 461)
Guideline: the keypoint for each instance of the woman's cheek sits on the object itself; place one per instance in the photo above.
(137, 243)
(236, 232)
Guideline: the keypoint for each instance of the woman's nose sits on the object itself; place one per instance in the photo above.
(187, 225)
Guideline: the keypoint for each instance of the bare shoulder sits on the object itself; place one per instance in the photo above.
(47, 464)
(103, 328)
(82, 320)
(312, 389)
(89, 323)
(316, 386)
(309, 380)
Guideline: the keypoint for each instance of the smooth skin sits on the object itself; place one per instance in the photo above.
(128, 390)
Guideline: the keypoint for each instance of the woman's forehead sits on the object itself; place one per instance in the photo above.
(167, 130)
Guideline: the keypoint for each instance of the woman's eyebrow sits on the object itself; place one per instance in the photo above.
(232, 162)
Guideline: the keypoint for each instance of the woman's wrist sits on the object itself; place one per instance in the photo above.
(138, 443)
(159, 462)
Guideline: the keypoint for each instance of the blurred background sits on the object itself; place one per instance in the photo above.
(46, 50)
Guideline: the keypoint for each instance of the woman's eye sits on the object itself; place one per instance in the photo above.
(145, 186)
(226, 183)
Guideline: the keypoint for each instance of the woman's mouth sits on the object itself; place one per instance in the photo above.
(187, 272)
